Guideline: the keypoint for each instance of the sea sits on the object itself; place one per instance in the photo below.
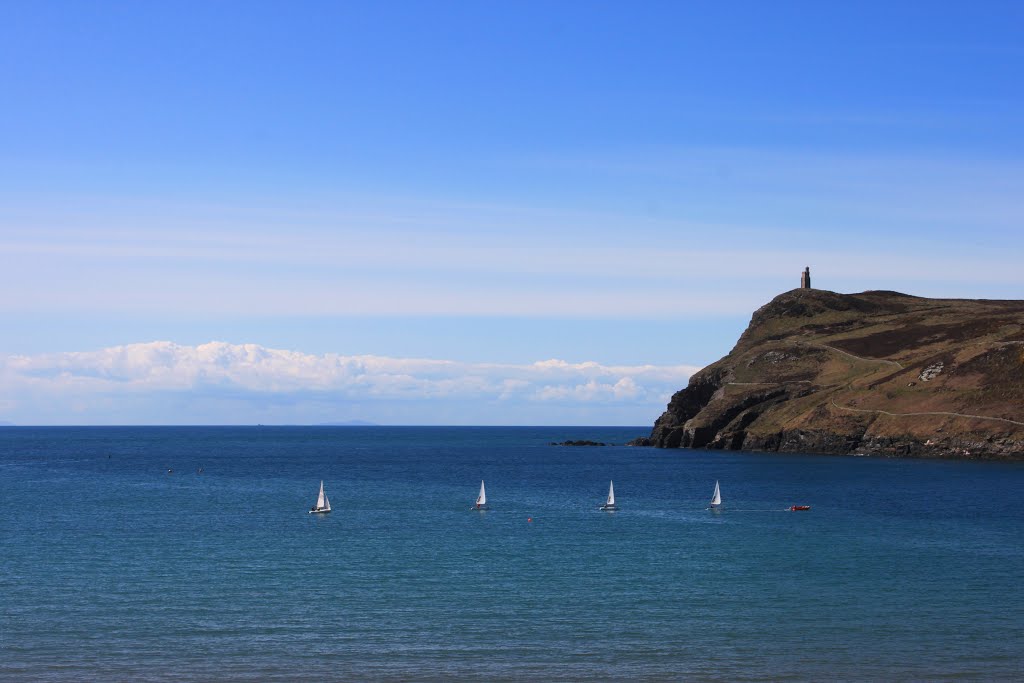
(188, 554)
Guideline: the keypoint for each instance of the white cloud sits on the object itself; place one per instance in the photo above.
(157, 372)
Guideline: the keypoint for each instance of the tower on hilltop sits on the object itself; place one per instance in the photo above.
(805, 278)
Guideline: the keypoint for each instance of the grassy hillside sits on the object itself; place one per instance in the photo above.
(876, 372)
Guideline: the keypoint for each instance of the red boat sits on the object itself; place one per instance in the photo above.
(795, 508)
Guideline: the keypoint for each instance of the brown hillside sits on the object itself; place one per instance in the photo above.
(877, 373)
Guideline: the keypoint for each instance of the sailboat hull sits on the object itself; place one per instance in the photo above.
(319, 512)
(609, 508)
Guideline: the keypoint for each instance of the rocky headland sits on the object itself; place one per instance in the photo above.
(875, 373)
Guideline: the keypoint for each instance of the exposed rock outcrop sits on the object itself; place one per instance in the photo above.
(875, 373)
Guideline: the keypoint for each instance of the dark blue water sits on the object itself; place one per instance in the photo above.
(111, 568)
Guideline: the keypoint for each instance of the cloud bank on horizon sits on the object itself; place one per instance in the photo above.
(221, 383)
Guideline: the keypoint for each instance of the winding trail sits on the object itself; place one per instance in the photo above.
(863, 358)
(886, 412)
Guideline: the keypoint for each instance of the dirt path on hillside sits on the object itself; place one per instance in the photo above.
(863, 358)
(886, 412)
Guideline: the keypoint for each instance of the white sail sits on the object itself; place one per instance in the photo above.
(321, 498)
(716, 499)
(481, 500)
(611, 494)
(327, 504)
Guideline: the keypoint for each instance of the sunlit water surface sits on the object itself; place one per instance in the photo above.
(113, 568)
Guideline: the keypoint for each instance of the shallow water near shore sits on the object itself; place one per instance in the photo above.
(115, 569)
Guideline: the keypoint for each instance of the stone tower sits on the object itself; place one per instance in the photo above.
(805, 278)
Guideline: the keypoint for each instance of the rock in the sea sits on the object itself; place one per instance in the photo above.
(579, 443)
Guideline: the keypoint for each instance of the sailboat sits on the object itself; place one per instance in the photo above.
(716, 498)
(609, 504)
(481, 500)
(323, 505)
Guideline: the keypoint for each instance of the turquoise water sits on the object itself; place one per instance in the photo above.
(114, 569)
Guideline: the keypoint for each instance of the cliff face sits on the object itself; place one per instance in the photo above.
(875, 373)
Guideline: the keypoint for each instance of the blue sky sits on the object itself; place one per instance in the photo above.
(493, 185)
